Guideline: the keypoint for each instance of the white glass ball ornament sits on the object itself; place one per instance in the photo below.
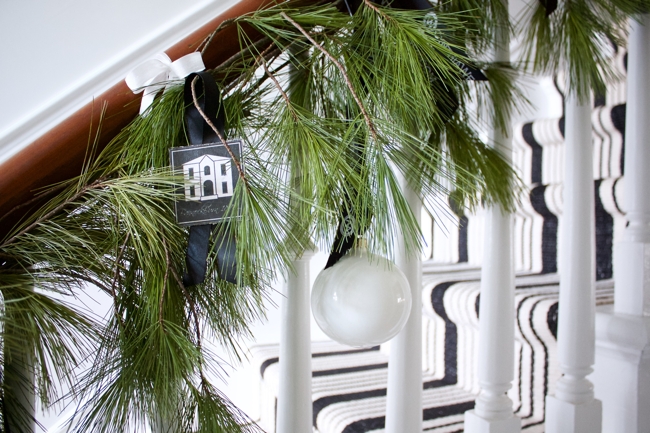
(363, 300)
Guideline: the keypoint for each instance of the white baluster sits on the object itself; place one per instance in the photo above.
(573, 408)
(294, 396)
(404, 398)
(622, 371)
(634, 280)
(493, 410)
(496, 355)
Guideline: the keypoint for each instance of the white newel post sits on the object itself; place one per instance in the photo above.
(496, 356)
(573, 408)
(404, 395)
(622, 372)
(294, 396)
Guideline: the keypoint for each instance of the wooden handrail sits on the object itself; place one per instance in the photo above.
(59, 153)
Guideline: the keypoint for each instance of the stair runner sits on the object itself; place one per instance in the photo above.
(349, 385)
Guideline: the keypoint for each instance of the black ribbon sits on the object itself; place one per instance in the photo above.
(348, 223)
(209, 100)
(550, 6)
(343, 241)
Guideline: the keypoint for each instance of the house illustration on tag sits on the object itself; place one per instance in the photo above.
(208, 177)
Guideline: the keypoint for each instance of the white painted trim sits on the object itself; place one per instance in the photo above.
(19, 134)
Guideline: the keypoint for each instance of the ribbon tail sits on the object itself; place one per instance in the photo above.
(226, 249)
(198, 249)
(147, 99)
(197, 254)
(150, 92)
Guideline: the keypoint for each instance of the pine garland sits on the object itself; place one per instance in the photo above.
(574, 38)
(331, 106)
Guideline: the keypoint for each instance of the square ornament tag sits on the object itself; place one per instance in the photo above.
(209, 180)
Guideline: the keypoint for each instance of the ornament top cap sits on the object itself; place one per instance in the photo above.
(361, 244)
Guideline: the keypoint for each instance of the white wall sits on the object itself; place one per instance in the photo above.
(56, 54)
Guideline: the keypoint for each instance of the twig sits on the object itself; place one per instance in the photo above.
(89, 280)
(36, 198)
(117, 275)
(206, 42)
(214, 128)
(378, 10)
(54, 211)
(240, 54)
(260, 59)
(192, 306)
(252, 87)
(338, 64)
(375, 8)
(280, 89)
(241, 80)
(265, 51)
(86, 279)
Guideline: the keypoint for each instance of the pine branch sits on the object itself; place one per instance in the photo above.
(340, 67)
(279, 88)
(377, 75)
(56, 210)
(207, 41)
(35, 199)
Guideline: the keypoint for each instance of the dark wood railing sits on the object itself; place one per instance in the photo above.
(59, 153)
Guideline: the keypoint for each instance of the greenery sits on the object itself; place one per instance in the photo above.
(334, 109)
(575, 39)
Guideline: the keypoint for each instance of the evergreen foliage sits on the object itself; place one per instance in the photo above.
(332, 107)
(576, 39)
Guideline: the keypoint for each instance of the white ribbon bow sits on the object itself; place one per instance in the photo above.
(154, 74)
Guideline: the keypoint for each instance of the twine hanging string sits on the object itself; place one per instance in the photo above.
(216, 131)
